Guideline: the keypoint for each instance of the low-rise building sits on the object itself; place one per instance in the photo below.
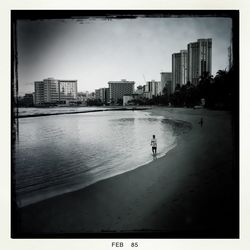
(128, 99)
(26, 101)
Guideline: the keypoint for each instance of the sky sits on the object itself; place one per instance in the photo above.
(95, 51)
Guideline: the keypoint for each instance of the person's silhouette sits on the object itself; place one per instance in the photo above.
(154, 144)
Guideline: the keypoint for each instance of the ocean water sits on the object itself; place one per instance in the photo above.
(36, 111)
(60, 154)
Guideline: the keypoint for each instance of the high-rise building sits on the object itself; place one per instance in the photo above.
(98, 94)
(51, 90)
(107, 97)
(166, 81)
(184, 66)
(67, 90)
(179, 69)
(199, 59)
(39, 92)
(117, 89)
(46, 91)
(176, 70)
(102, 94)
(155, 87)
(152, 88)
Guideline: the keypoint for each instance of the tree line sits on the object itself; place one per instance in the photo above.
(217, 92)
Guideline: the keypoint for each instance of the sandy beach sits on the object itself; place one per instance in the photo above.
(191, 192)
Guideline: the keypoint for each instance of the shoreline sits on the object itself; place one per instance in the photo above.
(188, 190)
(179, 127)
(86, 111)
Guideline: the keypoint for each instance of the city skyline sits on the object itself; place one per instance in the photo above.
(96, 51)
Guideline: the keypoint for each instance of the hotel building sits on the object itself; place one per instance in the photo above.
(118, 89)
(67, 90)
(179, 69)
(199, 59)
(51, 90)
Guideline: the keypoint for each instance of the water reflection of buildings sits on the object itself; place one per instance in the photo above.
(51, 90)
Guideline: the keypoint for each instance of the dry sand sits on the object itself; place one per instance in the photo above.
(190, 192)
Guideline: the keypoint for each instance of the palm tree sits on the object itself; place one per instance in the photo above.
(204, 87)
(206, 78)
(221, 74)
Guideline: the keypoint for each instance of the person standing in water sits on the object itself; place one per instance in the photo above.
(154, 144)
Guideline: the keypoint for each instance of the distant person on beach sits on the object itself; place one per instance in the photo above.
(201, 121)
(154, 144)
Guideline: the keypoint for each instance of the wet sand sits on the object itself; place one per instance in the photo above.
(191, 192)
